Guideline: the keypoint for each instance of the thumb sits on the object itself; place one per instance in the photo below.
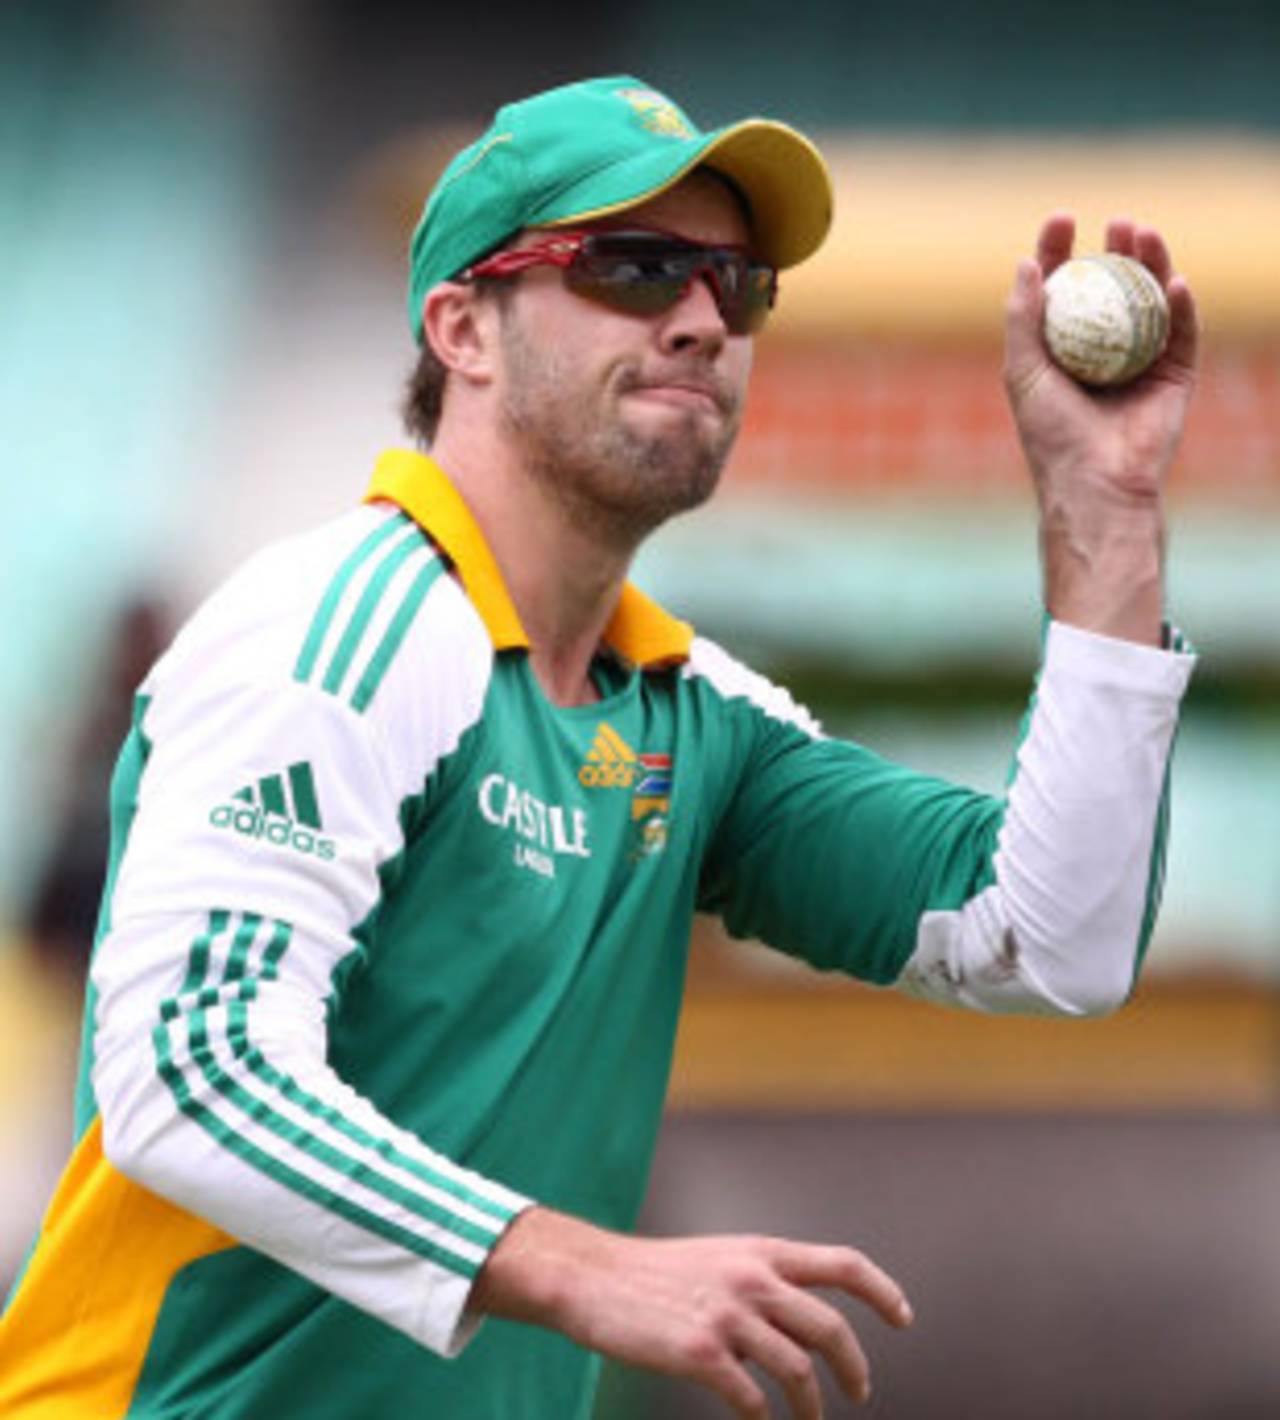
(1024, 349)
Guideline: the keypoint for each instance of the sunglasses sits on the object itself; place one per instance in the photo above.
(645, 273)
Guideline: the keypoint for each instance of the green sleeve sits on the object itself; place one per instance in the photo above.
(830, 853)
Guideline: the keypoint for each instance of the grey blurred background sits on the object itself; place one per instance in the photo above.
(203, 215)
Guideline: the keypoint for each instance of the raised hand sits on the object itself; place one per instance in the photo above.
(1099, 458)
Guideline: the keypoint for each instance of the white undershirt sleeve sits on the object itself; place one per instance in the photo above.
(1078, 863)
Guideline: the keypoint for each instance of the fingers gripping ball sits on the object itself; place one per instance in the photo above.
(1105, 318)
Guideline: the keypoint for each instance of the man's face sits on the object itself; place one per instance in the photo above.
(627, 419)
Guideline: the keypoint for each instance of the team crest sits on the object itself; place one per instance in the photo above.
(653, 787)
(657, 114)
(651, 837)
(611, 763)
(651, 805)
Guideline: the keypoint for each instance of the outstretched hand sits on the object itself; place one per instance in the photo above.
(703, 1308)
(1099, 458)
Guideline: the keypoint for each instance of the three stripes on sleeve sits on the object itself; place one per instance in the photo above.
(322, 1143)
(223, 1081)
(371, 602)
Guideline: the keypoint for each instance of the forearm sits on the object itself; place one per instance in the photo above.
(1103, 560)
(215, 1094)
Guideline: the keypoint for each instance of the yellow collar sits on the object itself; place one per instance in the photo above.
(639, 629)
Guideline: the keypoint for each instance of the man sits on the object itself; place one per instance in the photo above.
(417, 809)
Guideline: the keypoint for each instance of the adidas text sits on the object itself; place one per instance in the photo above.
(610, 763)
(254, 823)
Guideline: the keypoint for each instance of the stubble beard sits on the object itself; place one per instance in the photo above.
(615, 481)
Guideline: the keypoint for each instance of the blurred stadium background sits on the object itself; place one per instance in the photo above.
(203, 213)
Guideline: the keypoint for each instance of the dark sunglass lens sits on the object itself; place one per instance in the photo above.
(760, 290)
(625, 288)
(632, 272)
(745, 291)
(644, 274)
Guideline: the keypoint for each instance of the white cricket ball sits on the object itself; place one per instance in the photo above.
(1105, 318)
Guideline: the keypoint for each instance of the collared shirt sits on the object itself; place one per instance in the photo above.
(392, 945)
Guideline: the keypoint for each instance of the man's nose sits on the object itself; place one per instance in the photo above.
(695, 322)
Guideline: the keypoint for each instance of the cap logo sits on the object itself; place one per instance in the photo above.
(657, 114)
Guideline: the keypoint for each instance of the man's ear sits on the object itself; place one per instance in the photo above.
(461, 329)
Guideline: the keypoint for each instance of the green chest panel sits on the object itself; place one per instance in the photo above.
(573, 796)
(528, 957)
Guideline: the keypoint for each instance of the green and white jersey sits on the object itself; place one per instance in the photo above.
(392, 945)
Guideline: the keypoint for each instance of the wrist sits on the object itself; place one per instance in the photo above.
(1092, 503)
(1112, 584)
(1103, 555)
(528, 1275)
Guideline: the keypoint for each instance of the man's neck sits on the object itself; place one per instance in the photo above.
(564, 581)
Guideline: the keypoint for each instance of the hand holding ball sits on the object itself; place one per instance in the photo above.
(1106, 319)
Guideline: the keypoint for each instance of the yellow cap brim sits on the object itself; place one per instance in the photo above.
(785, 180)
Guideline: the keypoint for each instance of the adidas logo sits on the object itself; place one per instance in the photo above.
(280, 808)
(611, 763)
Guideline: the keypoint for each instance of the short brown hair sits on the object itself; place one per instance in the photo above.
(424, 396)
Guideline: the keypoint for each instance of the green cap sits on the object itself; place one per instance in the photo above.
(590, 149)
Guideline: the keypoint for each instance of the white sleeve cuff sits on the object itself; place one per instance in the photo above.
(1122, 665)
(449, 1324)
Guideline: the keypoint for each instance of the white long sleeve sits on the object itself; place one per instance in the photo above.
(1076, 868)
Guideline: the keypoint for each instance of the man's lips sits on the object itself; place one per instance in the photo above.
(685, 394)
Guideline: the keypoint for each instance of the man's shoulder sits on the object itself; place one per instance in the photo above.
(346, 607)
(735, 687)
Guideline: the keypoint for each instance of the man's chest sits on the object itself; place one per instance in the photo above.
(555, 822)
(547, 884)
